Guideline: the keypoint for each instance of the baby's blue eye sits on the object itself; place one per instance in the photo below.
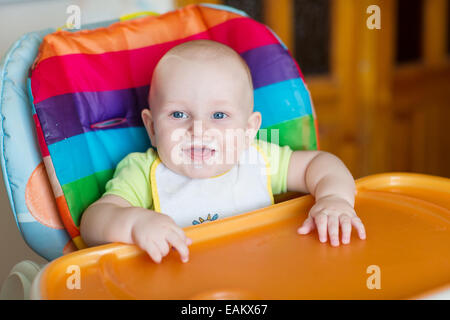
(219, 115)
(179, 115)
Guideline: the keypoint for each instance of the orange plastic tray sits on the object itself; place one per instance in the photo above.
(259, 255)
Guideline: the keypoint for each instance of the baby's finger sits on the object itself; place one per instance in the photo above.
(357, 223)
(307, 226)
(163, 246)
(153, 251)
(321, 224)
(179, 244)
(181, 234)
(346, 227)
(333, 230)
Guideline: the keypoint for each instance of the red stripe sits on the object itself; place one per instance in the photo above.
(132, 68)
(40, 136)
(66, 217)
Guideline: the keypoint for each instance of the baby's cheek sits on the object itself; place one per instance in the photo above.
(168, 150)
(230, 156)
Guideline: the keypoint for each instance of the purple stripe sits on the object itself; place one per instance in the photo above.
(71, 114)
(270, 64)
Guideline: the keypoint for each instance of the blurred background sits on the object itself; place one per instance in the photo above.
(382, 96)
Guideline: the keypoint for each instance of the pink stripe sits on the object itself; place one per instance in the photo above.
(40, 136)
(132, 68)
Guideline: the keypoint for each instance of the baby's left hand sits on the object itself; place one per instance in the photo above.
(329, 213)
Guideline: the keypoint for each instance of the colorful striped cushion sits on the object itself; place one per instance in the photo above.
(90, 86)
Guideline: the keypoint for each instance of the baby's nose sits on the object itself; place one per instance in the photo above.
(197, 128)
(202, 130)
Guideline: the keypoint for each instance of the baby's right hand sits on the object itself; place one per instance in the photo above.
(155, 232)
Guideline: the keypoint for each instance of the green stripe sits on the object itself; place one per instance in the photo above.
(81, 193)
(298, 134)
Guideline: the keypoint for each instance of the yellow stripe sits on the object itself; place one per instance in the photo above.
(79, 243)
(269, 182)
(220, 174)
(138, 14)
(156, 204)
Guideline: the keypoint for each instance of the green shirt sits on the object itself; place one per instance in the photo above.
(131, 179)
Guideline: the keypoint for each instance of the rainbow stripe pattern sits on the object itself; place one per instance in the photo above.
(89, 88)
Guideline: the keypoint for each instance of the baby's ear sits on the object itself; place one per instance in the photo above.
(253, 125)
(254, 121)
(147, 119)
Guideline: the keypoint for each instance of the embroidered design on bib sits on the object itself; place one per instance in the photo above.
(209, 218)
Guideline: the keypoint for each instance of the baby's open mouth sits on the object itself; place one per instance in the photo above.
(199, 153)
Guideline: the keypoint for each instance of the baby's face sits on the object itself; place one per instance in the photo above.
(201, 117)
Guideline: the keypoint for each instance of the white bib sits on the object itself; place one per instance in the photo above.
(246, 187)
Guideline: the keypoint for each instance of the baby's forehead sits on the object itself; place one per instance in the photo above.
(224, 63)
(201, 63)
(203, 52)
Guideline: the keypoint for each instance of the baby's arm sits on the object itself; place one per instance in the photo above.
(114, 219)
(330, 182)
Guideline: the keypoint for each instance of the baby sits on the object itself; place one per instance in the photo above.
(208, 164)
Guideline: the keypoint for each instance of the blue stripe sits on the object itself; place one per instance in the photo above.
(282, 101)
(94, 151)
(30, 96)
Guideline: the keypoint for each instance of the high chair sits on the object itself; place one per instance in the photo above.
(71, 103)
